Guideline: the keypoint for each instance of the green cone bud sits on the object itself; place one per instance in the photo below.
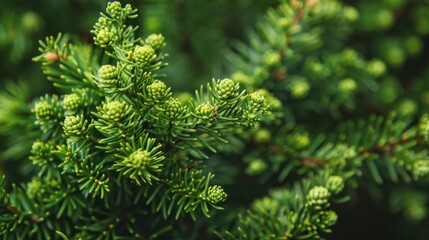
(47, 108)
(156, 90)
(216, 194)
(144, 54)
(335, 184)
(104, 38)
(115, 110)
(329, 218)
(44, 110)
(257, 101)
(108, 76)
(34, 188)
(156, 41)
(114, 9)
(72, 102)
(75, 125)
(173, 108)
(226, 89)
(107, 72)
(41, 152)
(251, 118)
(139, 158)
(318, 196)
(420, 169)
(102, 22)
(204, 111)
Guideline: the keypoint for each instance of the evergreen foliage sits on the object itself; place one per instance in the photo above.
(311, 113)
(116, 137)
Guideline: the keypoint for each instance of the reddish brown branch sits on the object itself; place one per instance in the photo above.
(308, 161)
(388, 147)
(12, 209)
(34, 218)
(298, 16)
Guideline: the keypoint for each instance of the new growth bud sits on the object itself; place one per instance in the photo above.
(420, 169)
(107, 72)
(156, 41)
(48, 107)
(156, 90)
(44, 110)
(173, 108)
(72, 102)
(204, 111)
(115, 111)
(75, 126)
(35, 188)
(318, 196)
(143, 55)
(226, 89)
(329, 218)
(257, 101)
(104, 37)
(114, 9)
(335, 184)
(41, 152)
(216, 194)
(139, 158)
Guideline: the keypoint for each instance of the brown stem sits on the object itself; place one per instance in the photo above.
(388, 147)
(34, 218)
(298, 16)
(12, 210)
